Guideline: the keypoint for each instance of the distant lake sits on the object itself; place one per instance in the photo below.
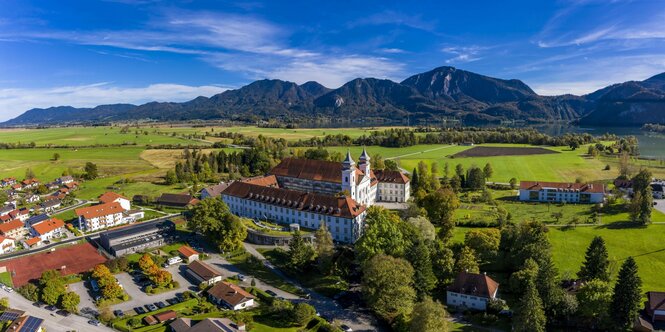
(652, 145)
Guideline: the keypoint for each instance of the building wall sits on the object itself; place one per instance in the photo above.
(468, 301)
(7, 245)
(560, 196)
(310, 186)
(106, 221)
(393, 192)
(342, 229)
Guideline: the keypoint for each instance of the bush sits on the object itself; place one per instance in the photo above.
(303, 313)
(29, 291)
(148, 289)
(135, 322)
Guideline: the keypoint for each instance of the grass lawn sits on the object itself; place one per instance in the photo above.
(258, 270)
(326, 285)
(6, 279)
(86, 136)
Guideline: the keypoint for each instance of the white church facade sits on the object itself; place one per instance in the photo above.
(308, 192)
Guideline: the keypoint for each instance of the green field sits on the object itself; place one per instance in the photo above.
(86, 136)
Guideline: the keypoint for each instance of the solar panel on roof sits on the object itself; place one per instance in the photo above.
(32, 324)
(9, 316)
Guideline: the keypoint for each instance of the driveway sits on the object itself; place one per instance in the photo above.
(660, 205)
(51, 323)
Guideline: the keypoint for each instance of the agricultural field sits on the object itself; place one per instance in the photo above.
(87, 136)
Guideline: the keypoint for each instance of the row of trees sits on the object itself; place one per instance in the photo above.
(108, 285)
(159, 277)
(52, 290)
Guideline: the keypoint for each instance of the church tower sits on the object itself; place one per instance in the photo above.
(349, 175)
(363, 163)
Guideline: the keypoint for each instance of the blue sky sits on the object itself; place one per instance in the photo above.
(84, 53)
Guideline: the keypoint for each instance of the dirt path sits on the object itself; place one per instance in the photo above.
(415, 153)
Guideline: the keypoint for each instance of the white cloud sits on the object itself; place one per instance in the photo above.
(14, 102)
(463, 54)
(393, 50)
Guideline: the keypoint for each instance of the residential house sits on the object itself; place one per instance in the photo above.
(165, 316)
(176, 200)
(49, 229)
(5, 218)
(70, 186)
(133, 215)
(14, 229)
(21, 214)
(230, 296)
(32, 242)
(50, 204)
(32, 198)
(213, 191)
(206, 325)
(100, 216)
(203, 273)
(36, 219)
(7, 245)
(561, 192)
(27, 324)
(111, 197)
(6, 209)
(17, 187)
(394, 186)
(654, 307)
(52, 185)
(65, 179)
(29, 184)
(188, 254)
(472, 291)
(7, 182)
(11, 315)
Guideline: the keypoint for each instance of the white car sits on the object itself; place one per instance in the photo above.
(346, 328)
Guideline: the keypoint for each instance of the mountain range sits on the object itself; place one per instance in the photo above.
(441, 92)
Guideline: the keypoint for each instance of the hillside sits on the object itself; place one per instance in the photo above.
(428, 96)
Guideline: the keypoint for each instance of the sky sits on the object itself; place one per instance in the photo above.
(85, 53)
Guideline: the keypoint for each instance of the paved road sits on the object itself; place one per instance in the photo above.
(53, 322)
(324, 305)
(660, 205)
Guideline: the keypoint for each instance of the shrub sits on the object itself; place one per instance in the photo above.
(148, 289)
(135, 322)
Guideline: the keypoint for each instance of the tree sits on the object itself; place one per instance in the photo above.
(212, 218)
(426, 230)
(642, 202)
(443, 264)
(475, 178)
(56, 156)
(595, 297)
(70, 301)
(145, 263)
(488, 171)
(303, 313)
(421, 261)
(300, 253)
(414, 180)
(29, 173)
(429, 316)
(91, 172)
(485, 242)
(466, 261)
(161, 278)
(170, 177)
(52, 291)
(440, 206)
(325, 249)
(513, 183)
(391, 165)
(388, 286)
(530, 316)
(4, 303)
(627, 295)
(596, 262)
(624, 165)
(382, 235)
(29, 291)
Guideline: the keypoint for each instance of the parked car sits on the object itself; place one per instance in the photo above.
(241, 277)
(63, 313)
(271, 293)
(118, 313)
(150, 307)
(139, 310)
(346, 328)
(51, 308)
(94, 322)
(38, 304)
(160, 304)
(172, 301)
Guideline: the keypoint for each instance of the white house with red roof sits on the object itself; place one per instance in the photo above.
(472, 291)
(560, 192)
(48, 229)
(20, 214)
(100, 216)
(7, 245)
(111, 197)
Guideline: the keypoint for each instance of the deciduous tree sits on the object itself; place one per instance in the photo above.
(440, 206)
(388, 286)
(382, 235)
(70, 301)
(466, 261)
(324, 247)
(429, 316)
(595, 297)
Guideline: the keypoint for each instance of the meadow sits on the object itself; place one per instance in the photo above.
(87, 136)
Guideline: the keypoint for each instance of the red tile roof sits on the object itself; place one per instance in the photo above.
(230, 293)
(474, 284)
(323, 204)
(110, 197)
(187, 251)
(318, 170)
(266, 181)
(391, 176)
(165, 315)
(203, 270)
(99, 210)
(32, 241)
(48, 226)
(582, 187)
(10, 226)
(655, 301)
